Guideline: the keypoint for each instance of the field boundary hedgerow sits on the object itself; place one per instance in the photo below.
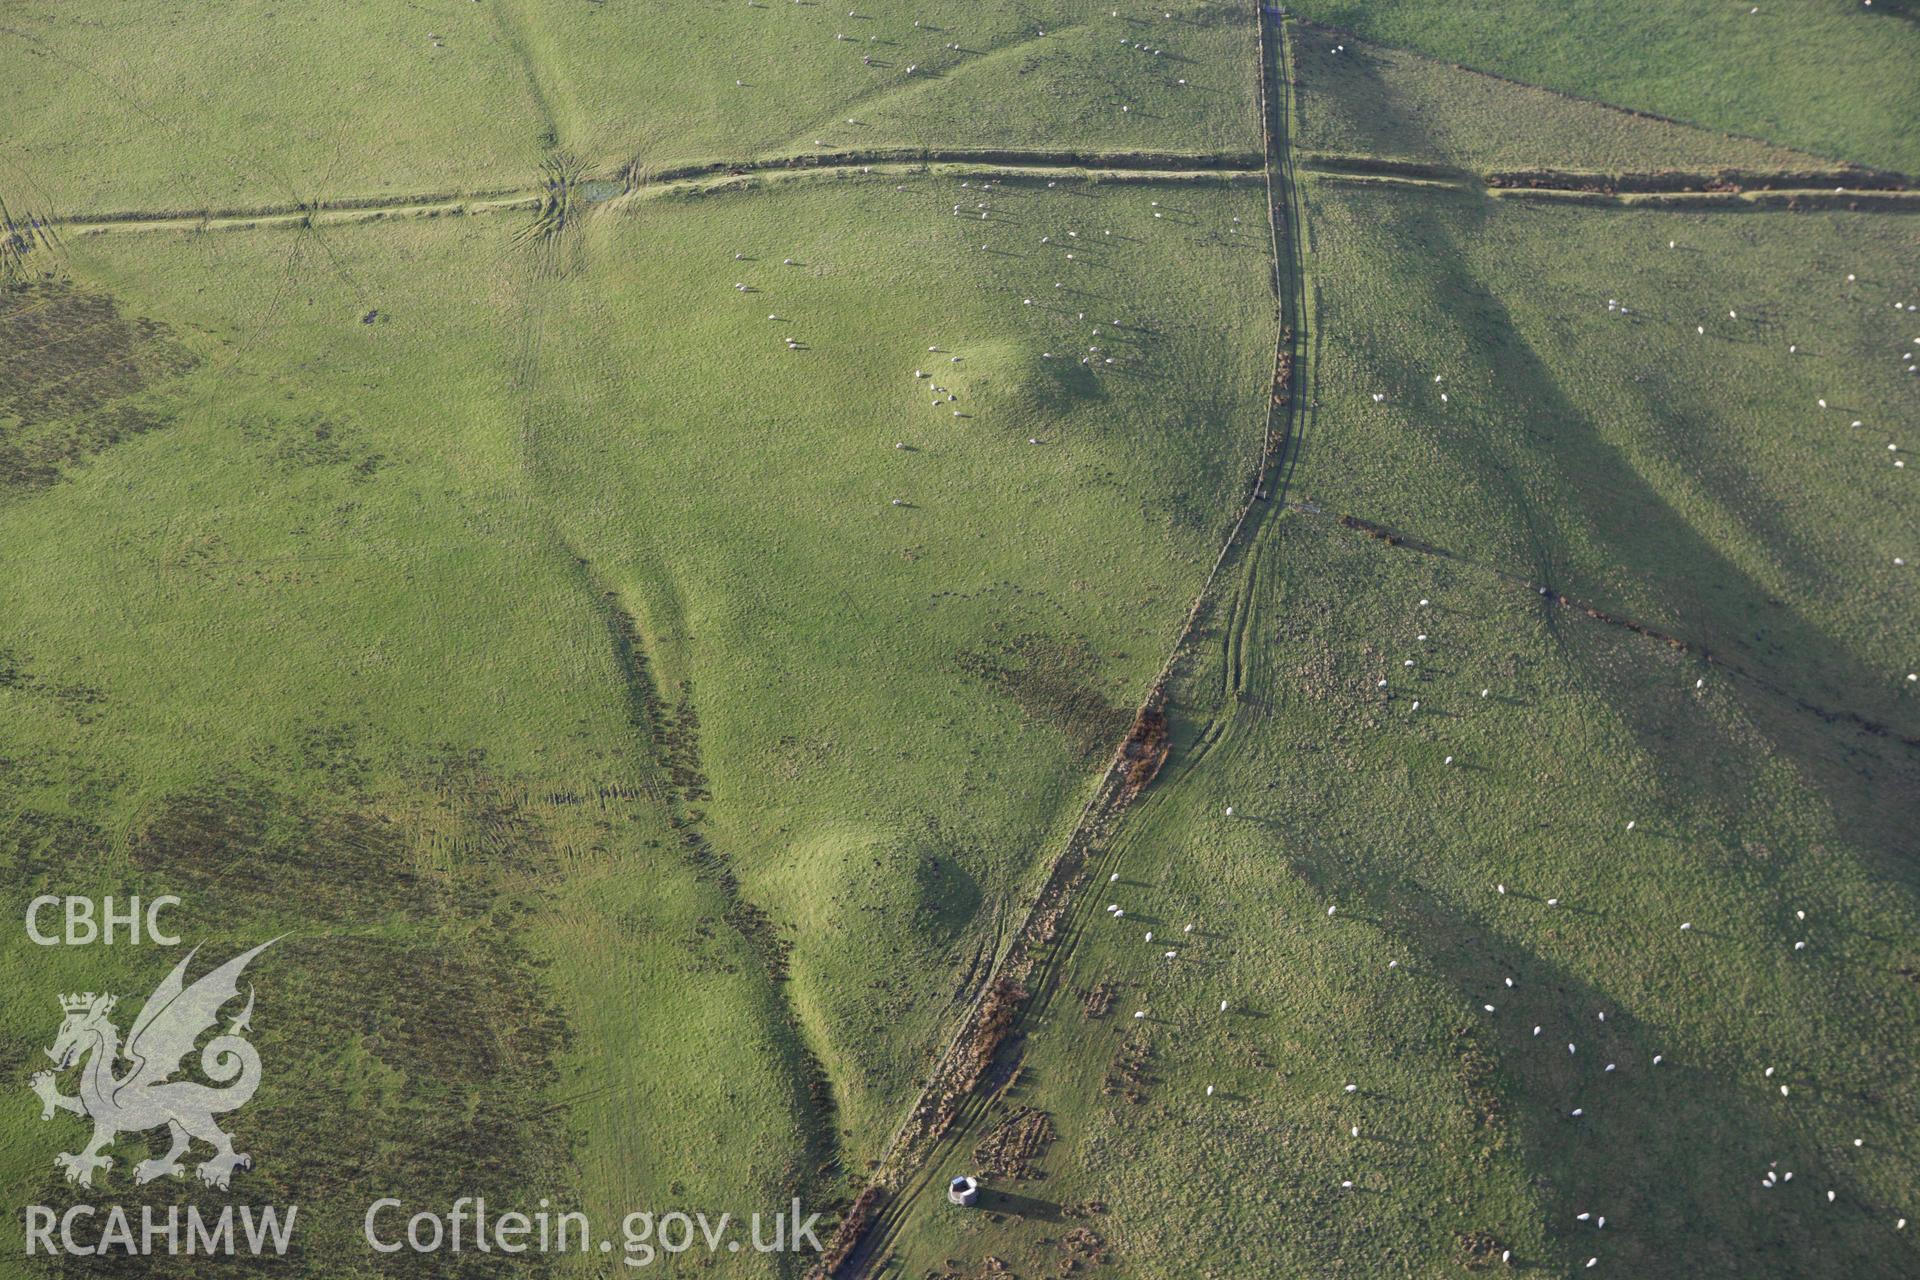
(1848, 186)
(632, 180)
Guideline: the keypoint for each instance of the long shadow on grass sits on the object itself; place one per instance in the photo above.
(1579, 488)
(1674, 1155)
(1576, 489)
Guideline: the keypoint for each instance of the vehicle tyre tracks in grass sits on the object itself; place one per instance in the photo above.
(1021, 985)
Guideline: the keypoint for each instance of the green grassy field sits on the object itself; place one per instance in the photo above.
(1358, 99)
(141, 106)
(1746, 813)
(339, 680)
(1350, 912)
(1830, 76)
(1690, 481)
(642, 645)
(509, 622)
(895, 701)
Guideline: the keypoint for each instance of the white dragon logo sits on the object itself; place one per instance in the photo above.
(173, 1018)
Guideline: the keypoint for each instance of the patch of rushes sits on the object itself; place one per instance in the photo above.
(408, 1037)
(73, 373)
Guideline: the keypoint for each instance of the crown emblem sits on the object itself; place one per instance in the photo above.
(83, 1001)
